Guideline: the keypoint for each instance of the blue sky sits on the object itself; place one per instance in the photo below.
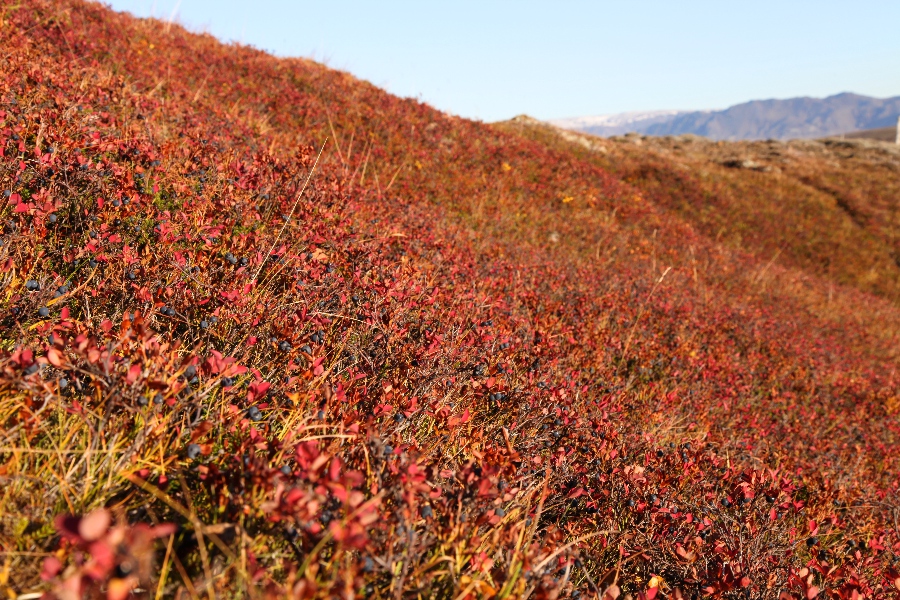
(492, 60)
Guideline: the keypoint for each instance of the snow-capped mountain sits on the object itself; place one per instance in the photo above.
(618, 124)
(792, 118)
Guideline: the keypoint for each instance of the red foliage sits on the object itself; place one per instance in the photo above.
(388, 382)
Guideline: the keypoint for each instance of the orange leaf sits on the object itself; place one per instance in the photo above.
(55, 357)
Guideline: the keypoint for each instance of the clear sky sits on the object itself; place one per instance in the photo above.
(492, 60)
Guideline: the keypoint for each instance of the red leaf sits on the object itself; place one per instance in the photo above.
(133, 373)
(52, 566)
(577, 492)
(55, 357)
(334, 470)
(257, 390)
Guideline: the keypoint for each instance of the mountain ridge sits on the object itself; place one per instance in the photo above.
(618, 123)
(792, 118)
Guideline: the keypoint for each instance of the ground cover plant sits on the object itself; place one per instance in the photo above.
(268, 331)
(826, 208)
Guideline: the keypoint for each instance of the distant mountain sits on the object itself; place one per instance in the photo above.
(618, 124)
(794, 118)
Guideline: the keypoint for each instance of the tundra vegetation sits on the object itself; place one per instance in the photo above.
(269, 331)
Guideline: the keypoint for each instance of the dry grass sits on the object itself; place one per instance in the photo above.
(461, 362)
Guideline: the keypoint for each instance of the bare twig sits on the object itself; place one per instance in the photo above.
(293, 208)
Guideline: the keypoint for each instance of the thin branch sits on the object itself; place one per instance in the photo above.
(293, 208)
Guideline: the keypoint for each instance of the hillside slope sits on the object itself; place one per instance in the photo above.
(440, 358)
(830, 208)
(885, 134)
